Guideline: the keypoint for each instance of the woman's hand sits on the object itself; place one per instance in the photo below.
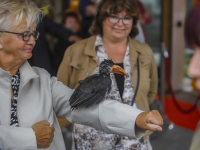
(44, 133)
(150, 120)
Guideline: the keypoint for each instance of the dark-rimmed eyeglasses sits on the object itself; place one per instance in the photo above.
(115, 19)
(26, 35)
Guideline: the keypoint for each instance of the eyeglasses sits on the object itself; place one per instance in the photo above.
(26, 35)
(115, 19)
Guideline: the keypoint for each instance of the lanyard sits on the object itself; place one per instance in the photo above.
(138, 82)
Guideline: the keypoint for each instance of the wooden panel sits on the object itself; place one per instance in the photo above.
(166, 23)
(178, 44)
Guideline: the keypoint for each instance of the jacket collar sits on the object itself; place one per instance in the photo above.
(5, 77)
(134, 47)
(135, 50)
(26, 72)
(90, 49)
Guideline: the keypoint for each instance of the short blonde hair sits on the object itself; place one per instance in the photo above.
(13, 11)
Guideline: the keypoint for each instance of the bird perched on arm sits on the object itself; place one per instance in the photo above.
(93, 88)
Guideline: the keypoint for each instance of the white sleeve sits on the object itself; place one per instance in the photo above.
(109, 116)
(12, 138)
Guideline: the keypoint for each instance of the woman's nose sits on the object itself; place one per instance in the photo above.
(120, 22)
(194, 67)
(32, 40)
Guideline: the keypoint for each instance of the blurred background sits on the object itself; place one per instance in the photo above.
(162, 23)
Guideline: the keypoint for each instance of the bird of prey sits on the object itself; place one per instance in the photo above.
(93, 88)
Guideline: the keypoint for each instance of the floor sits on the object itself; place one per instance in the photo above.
(174, 137)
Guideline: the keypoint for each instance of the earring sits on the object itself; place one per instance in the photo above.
(0, 46)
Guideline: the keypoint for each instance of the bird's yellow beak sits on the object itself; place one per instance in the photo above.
(117, 69)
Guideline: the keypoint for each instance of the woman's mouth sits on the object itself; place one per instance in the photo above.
(119, 30)
(28, 50)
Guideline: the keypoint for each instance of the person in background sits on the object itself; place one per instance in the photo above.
(145, 17)
(140, 37)
(42, 55)
(87, 10)
(31, 99)
(192, 34)
(113, 30)
(71, 21)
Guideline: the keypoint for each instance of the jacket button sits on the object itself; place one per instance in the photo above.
(78, 65)
(142, 62)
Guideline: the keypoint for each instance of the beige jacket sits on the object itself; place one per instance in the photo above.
(195, 145)
(42, 97)
(79, 62)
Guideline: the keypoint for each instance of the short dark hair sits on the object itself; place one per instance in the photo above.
(108, 7)
(70, 14)
(192, 27)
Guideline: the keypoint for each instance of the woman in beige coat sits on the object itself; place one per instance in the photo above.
(113, 31)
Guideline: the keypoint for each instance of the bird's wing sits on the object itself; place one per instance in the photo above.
(91, 90)
(78, 90)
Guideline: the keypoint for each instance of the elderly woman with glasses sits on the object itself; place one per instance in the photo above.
(30, 99)
(113, 31)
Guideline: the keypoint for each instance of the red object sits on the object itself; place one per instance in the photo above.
(189, 121)
(143, 12)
